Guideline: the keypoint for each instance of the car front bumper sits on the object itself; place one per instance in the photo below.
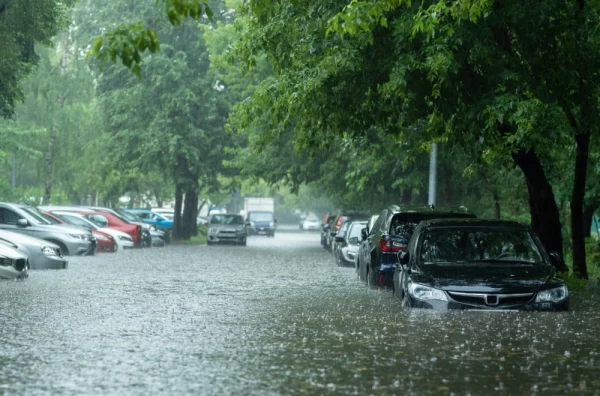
(80, 247)
(43, 262)
(455, 305)
(9, 272)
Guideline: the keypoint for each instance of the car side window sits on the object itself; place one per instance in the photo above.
(378, 223)
(8, 217)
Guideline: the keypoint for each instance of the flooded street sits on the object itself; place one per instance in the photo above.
(275, 317)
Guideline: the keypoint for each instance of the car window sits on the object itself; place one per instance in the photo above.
(37, 215)
(97, 219)
(260, 216)
(227, 219)
(7, 216)
(473, 244)
(74, 220)
(378, 223)
(356, 229)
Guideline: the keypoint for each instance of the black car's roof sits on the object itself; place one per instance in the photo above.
(427, 209)
(458, 222)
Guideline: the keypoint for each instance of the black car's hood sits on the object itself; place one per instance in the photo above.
(489, 277)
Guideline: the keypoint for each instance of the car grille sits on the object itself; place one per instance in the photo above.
(491, 300)
(20, 264)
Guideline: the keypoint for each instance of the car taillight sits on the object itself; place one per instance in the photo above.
(339, 223)
(388, 245)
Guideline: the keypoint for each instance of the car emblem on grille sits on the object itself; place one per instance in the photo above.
(491, 299)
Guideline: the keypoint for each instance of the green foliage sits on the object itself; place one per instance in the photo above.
(23, 24)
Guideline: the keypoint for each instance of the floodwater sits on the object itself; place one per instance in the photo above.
(275, 317)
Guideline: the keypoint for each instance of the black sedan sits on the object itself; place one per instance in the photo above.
(478, 264)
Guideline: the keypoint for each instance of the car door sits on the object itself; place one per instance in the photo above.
(9, 222)
(372, 242)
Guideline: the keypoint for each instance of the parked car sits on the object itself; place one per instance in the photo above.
(28, 220)
(327, 223)
(13, 263)
(105, 242)
(108, 220)
(40, 253)
(348, 243)
(158, 237)
(390, 234)
(310, 223)
(146, 237)
(339, 221)
(122, 239)
(227, 228)
(156, 219)
(478, 264)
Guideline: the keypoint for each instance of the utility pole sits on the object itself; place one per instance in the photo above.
(14, 171)
(433, 173)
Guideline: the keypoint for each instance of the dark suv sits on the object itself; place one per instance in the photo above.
(378, 253)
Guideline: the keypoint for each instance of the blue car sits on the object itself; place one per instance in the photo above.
(150, 217)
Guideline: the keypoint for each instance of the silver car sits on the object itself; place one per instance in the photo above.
(28, 221)
(13, 263)
(41, 254)
(227, 228)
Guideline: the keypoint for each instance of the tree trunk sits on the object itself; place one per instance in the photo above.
(190, 212)
(545, 217)
(177, 216)
(588, 218)
(577, 201)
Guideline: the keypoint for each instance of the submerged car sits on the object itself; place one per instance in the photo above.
(121, 239)
(29, 221)
(13, 263)
(227, 228)
(378, 254)
(348, 243)
(478, 264)
(40, 253)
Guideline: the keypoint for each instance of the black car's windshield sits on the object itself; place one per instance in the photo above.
(260, 216)
(227, 219)
(479, 244)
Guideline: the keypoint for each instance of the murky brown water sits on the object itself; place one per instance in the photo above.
(276, 317)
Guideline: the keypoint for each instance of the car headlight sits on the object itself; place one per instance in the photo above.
(79, 236)
(271, 224)
(125, 238)
(152, 228)
(422, 292)
(251, 224)
(212, 230)
(101, 237)
(553, 295)
(48, 251)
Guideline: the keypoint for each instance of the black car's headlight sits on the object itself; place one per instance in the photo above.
(553, 295)
(424, 293)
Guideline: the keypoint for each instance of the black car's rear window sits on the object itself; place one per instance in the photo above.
(405, 223)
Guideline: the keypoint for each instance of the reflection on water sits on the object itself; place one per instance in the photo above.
(277, 317)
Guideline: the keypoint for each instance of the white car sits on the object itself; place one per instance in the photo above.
(310, 223)
(123, 240)
(13, 263)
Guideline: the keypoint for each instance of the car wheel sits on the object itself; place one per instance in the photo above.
(209, 243)
(243, 243)
(371, 278)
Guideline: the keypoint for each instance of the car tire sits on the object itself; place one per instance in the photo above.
(209, 243)
(243, 243)
(371, 279)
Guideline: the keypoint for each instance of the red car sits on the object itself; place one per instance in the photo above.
(104, 219)
(105, 242)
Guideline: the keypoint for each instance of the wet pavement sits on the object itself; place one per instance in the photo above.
(275, 317)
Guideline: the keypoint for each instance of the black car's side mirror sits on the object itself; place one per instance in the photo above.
(22, 223)
(556, 260)
(364, 234)
(339, 238)
(247, 224)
